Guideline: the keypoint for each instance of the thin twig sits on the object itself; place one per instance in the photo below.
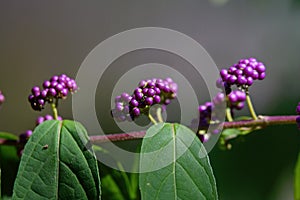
(262, 121)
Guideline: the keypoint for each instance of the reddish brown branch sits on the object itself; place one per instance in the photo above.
(262, 121)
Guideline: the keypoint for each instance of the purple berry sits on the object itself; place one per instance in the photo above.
(30, 97)
(156, 99)
(249, 81)
(52, 92)
(125, 96)
(2, 98)
(48, 117)
(139, 95)
(117, 99)
(39, 120)
(64, 92)
(70, 84)
(46, 84)
(262, 76)
(150, 84)
(160, 85)
(54, 79)
(149, 101)
(41, 102)
(145, 91)
(241, 80)
(232, 97)
(167, 101)
(255, 75)
(231, 70)
(240, 95)
(260, 68)
(219, 98)
(173, 87)
(223, 73)
(240, 106)
(134, 103)
(166, 89)
(151, 92)
(157, 90)
(35, 91)
(248, 71)
(142, 84)
(59, 87)
(136, 111)
(238, 72)
(44, 93)
(232, 79)
(169, 80)
(202, 108)
(53, 84)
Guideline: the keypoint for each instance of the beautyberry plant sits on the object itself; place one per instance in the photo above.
(54, 89)
(58, 161)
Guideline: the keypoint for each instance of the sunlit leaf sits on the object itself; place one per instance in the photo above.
(58, 163)
(175, 165)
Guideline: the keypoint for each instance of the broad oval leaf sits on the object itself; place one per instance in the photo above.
(58, 163)
(297, 179)
(175, 165)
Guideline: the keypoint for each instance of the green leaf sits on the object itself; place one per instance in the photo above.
(297, 179)
(9, 162)
(175, 165)
(8, 136)
(111, 189)
(58, 163)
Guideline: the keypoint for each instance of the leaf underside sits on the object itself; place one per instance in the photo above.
(175, 165)
(58, 163)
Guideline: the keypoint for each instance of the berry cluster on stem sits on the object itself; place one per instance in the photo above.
(244, 73)
(149, 92)
(56, 88)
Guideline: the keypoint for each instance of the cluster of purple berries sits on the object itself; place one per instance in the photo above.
(55, 88)
(149, 92)
(205, 115)
(236, 99)
(209, 115)
(243, 73)
(208, 112)
(298, 113)
(41, 119)
(2, 98)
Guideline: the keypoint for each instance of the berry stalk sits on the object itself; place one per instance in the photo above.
(158, 114)
(152, 119)
(54, 110)
(228, 114)
(250, 106)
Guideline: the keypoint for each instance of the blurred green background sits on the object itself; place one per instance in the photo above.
(42, 38)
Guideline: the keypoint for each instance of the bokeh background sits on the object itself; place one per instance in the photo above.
(42, 38)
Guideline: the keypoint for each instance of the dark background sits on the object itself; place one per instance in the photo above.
(42, 38)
